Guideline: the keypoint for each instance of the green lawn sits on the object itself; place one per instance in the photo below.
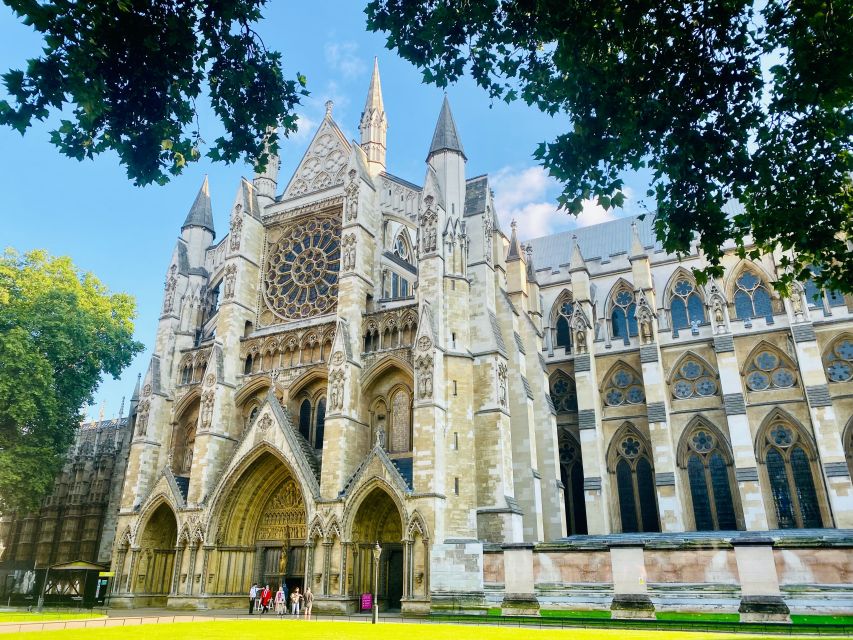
(303, 630)
(23, 616)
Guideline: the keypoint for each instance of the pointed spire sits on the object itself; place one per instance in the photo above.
(577, 262)
(445, 137)
(266, 183)
(515, 250)
(135, 395)
(637, 248)
(374, 124)
(121, 408)
(531, 271)
(201, 213)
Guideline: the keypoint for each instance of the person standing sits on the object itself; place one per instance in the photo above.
(253, 593)
(309, 602)
(280, 601)
(295, 600)
(286, 599)
(266, 596)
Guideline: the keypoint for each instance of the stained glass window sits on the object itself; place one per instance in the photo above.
(305, 419)
(818, 298)
(791, 472)
(320, 424)
(752, 299)
(685, 305)
(710, 480)
(402, 248)
(564, 394)
(839, 361)
(562, 330)
(635, 483)
(623, 315)
(769, 370)
(571, 473)
(693, 379)
(623, 387)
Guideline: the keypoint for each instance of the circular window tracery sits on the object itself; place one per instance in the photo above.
(693, 379)
(624, 387)
(301, 271)
(768, 370)
(839, 363)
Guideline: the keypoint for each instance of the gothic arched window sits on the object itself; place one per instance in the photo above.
(247, 369)
(320, 424)
(623, 387)
(709, 471)
(751, 297)
(769, 369)
(635, 482)
(821, 298)
(839, 361)
(400, 438)
(561, 322)
(564, 394)
(571, 474)
(685, 306)
(305, 419)
(623, 314)
(790, 464)
(403, 248)
(693, 379)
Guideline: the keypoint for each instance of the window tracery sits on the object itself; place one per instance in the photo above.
(839, 361)
(564, 394)
(768, 369)
(561, 321)
(709, 471)
(790, 466)
(623, 314)
(301, 269)
(631, 461)
(685, 306)
(571, 474)
(622, 387)
(818, 298)
(751, 297)
(693, 379)
(402, 248)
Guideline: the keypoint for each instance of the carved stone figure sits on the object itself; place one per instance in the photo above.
(502, 376)
(229, 281)
(171, 285)
(236, 228)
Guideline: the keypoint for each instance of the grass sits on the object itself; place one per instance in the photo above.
(45, 616)
(820, 619)
(265, 629)
(697, 617)
(564, 613)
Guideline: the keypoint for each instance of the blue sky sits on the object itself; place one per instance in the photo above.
(91, 212)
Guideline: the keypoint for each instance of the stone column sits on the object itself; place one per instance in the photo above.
(746, 465)
(134, 558)
(827, 430)
(325, 585)
(519, 590)
(761, 600)
(193, 549)
(121, 556)
(176, 570)
(630, 591)
(408, 569)
(205, 562)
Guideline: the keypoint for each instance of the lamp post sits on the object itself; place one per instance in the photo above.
(377, 551)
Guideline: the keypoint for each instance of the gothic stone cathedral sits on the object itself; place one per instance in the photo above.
(571, 423)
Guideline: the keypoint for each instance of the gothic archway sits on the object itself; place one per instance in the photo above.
(378, 519)
(154, 566)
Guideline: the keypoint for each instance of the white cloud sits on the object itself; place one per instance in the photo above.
(306, 127)
(593, 213)
(342, 57)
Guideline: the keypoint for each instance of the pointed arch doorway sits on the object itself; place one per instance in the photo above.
(378, 519)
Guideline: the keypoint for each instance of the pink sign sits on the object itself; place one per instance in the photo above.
(366, 601)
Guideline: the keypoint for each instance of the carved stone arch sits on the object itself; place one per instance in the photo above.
(804, 434)
(358, 496)
(184, 535)
(306, 379)
(403, 233)
(785, 362)
(680, 273)
(410, 319)
(186, 403)
(333, 529)
(125, 538)
(418, 525)
(748, 265)
(621, 283)
(222, 495)
(700, 420)
(378, 368)
(565, 399)
(316, 529)
(627, 428)
(150, 507)
(685, 356)
(564, 296)
(251, 389)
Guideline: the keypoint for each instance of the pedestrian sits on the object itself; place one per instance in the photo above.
(295, 600)
(253, 593)
(280, 601)
(309, 602)
(286, 599)
(266, 596)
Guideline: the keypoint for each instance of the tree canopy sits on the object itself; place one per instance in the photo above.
(718, 99)
(128, 74)
(60, 330)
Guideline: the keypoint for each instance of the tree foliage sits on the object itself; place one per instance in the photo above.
(718, 99)
(60, 330)
(128, 74)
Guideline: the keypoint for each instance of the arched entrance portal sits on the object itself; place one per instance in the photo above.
(379, 519)
(156, 556)
(262, 530)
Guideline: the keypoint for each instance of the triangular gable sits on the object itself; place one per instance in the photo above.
(324, 163)
(376, 464)
(165, 485)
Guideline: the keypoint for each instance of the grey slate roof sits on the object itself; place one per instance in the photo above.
(445, 137)
(201, 213)
(600, 241)
(475, 195)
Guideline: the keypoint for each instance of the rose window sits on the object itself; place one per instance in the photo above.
(839, 362)
(301, 271)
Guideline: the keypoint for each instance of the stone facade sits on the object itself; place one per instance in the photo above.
(77, 521)
(364, 359)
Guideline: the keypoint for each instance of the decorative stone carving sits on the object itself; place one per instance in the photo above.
(171, 285)
(336, 390)
(236, 228)
(428, 224)
(323, 165)
(348, 245)
(338, 358)
(424, 343)
(502, 377)
(423, 371)
(265, 422)
(487, 235)
(206, 413)
(146, 391)
(229, 281)
(209, 380)
(142, 417)
(352, 190)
